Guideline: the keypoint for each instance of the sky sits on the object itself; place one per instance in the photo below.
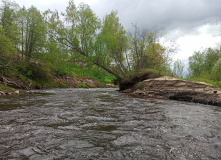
(193, 25)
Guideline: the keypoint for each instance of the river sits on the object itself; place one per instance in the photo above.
(104, 124)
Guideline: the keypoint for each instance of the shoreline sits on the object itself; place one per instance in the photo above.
(159, 88)
(16, 86)
(176, 89)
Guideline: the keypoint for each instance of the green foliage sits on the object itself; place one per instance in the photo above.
(6, 88)
(83, 27)
(63, 85)
(39, 46)
(92, 71)
(206, 64)
(212, 55)
(146, 51)
(34, 32)
(34, 71)
(6, 46)
(216, 71)
(8, 20)
(114, 39)
(196, 64)
(109, 48)
(82, 85)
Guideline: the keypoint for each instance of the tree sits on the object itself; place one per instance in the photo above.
(138, 42)
(55, 54)
(80, 34)
(82, 25)
(8, 20)
(114, 41)
(22, 14)
(212, 56)
(146, 50)
(196, 64)
(7, 50)
(201, 64)
(155, 55)
(6, 46)
(32, 30)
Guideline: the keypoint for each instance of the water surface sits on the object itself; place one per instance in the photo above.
(105, 124)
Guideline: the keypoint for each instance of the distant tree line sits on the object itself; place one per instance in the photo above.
(206, 64)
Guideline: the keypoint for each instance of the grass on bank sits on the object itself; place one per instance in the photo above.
(216, 84)
(6, 88)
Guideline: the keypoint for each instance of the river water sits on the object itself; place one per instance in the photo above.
(104, 124)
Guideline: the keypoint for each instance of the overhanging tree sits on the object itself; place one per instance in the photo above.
(105, 43)
(81, 34)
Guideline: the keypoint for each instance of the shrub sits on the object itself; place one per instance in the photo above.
(34, 71)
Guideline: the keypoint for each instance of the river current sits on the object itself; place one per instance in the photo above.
(103, 124)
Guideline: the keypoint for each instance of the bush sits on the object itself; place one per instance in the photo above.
(34, 71)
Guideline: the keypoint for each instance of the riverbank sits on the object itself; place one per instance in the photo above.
(163, 87)
(15, 85)
(5, 90)
(176, 89)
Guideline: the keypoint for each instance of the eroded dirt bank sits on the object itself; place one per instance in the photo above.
(15, 85)
(176, 89)
(74, 82)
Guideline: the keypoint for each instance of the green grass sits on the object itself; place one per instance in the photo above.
(63, 84)
(91, 72)
(216, 84)
(6, 88)
(42, 76)
(82, 85)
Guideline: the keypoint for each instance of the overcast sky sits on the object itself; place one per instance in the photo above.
(193, 24)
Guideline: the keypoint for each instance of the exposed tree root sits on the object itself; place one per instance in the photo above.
(12, 83)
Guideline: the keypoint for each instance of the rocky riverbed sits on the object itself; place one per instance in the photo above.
(176, 89)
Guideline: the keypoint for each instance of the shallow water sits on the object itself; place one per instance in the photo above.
(105, 124)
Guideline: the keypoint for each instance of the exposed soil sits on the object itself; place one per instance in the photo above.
(176, 89)
(133, 79)
(14, 82)
(15, 85)
(74, 82)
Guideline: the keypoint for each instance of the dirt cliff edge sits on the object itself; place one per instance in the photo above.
(176, 89)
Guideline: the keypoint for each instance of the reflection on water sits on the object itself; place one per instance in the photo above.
(105, 124)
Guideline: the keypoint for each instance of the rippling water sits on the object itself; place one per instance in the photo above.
(105, 124)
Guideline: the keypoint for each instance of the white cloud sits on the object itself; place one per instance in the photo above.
(190, 43)
(90, 2)
(59, 5)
